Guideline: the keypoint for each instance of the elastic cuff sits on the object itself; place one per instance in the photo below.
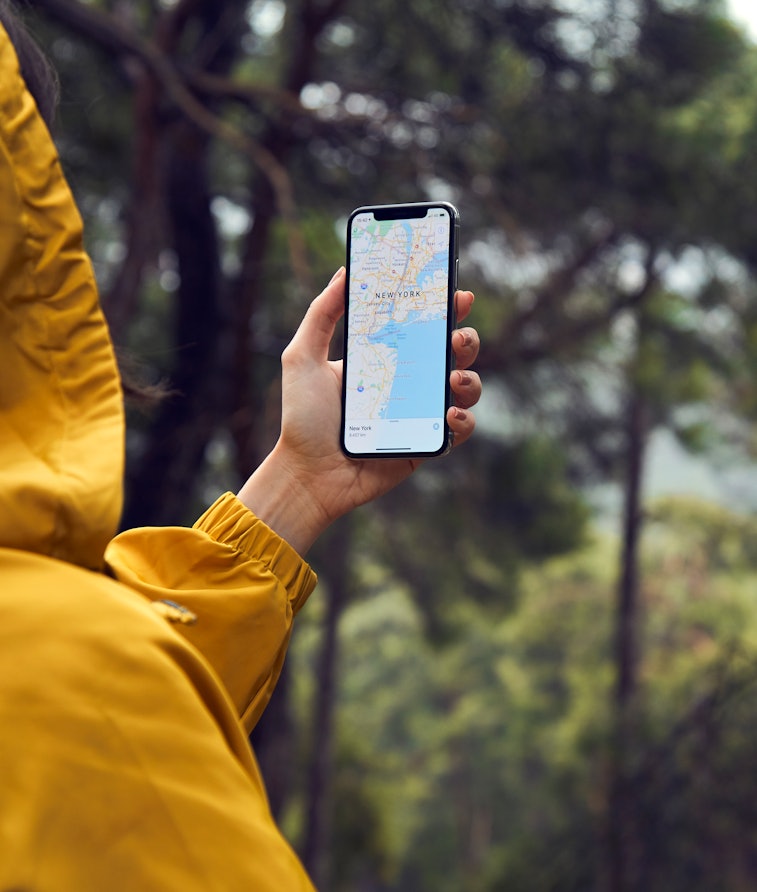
(230, 522)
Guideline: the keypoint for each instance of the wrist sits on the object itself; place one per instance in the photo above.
(281, 497)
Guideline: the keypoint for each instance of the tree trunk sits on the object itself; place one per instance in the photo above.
(319, 804)
(160, 481)
(158, 485)
(622, 841)
(273, 742)
(626, 643)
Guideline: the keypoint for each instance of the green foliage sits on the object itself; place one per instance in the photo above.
(474, 526)
(484, 763)
(717, 539)
(530, 501)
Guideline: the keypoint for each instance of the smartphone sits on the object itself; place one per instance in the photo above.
(401, 279)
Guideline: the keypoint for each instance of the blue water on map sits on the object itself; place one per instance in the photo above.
(419, 382)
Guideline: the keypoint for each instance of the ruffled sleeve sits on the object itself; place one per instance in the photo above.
(231, 585)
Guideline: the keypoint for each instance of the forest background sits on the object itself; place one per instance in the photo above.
(534, 667)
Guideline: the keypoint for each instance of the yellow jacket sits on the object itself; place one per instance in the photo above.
(124, 762)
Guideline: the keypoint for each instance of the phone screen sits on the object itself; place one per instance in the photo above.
(401, 281)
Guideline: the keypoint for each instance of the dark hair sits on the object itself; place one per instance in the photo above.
(40, 76)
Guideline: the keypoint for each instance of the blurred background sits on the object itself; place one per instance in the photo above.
(534, 667)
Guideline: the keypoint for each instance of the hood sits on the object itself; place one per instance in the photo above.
(61, 415)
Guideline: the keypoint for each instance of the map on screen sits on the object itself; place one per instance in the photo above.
(396, 346)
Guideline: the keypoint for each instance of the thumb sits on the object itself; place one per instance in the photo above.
(316, 330)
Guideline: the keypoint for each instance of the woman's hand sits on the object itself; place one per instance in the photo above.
(307, 482)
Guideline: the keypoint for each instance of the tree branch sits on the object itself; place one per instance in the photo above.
(113, 37)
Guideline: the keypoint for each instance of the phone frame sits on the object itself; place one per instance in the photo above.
(406, 211)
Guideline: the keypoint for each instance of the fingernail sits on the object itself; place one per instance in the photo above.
(463, 378)
(337, 274)
(460, 414)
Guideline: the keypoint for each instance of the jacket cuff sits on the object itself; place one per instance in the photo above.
(230, 522)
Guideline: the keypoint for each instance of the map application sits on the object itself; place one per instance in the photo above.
(397, 333)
